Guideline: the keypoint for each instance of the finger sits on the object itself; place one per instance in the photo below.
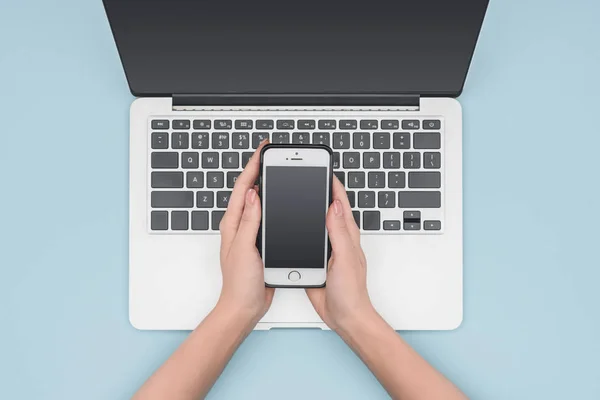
(235, 208)
(249, 223)
(339, 193)
(317, 299)
(342, 242)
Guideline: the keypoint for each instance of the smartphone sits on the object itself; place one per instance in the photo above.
(295, 191)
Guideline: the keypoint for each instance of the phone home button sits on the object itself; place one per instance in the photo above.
(294, 276)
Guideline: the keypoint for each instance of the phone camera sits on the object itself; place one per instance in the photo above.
(296, 153)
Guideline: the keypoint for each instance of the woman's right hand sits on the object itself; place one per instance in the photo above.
(344, 300)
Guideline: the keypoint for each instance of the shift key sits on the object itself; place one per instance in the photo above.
(419, 199)
(172, 199)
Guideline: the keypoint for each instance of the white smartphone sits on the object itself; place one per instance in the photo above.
(295, 189)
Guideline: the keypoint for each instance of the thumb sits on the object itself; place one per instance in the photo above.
(339, 235)
(250, 221)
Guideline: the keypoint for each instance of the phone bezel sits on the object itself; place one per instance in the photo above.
(293, 155)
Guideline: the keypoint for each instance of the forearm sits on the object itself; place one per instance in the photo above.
(192, 370)
(403, 373)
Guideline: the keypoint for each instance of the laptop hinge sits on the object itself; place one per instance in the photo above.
(290, 101)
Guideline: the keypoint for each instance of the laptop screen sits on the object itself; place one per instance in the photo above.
(308, 46)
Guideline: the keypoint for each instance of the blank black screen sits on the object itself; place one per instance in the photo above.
(295, 209)
(305, 46)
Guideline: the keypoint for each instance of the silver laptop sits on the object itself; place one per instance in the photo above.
(376, 82)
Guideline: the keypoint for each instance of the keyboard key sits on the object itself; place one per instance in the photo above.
(390, 124)
(366, 199)
(432, 225)
(189, 160)
(412, 226)
(243, 124)
(230, 160)
(264, 124)
(179, 220)
(348, 124)
(356, 180)
(223, 199)
(424, 180)
(356, 215)
(240, 140)
(210, 160)
(431, 160)
(391, 160)
(194, 179)
(401, 140)
(232, 178)
(396, 180)
(281, 137)
(246, 157)
(300, 138)
(369, 124)
(171, 199)
(432, 124)
(376, 180)
(160, 124)
(220, 140)
(258, 137)
(160, 140)
(222, 124)
(306, 124)
(204, 199)
(215, 180)
(199, 220)
(180, 140)
(371, 160)
(386, 200)
(351, 198)
(200, 140)
(159, 220)
(341, 140)
(285, 124)
(341, 176)
(321, 138)
(327, 124)
(166, 180)
(336, 160)
(217, 216)
(202, 124)
(411, 216)
(351, 160)
(409, 124)
(393, 225)
(181, 124)
(371, 220)
(412, 160)
(427, 140)
(381, 140)
(164, 160)
(362, 140)
(419, 199)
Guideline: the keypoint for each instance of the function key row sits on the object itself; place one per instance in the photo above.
(323, 124)
(339, 140)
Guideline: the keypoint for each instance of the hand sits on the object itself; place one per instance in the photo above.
(344, 300)
(244, 288)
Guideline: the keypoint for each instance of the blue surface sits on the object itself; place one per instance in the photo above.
(531, 145)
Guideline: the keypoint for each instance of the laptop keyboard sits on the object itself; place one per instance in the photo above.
(392, 168)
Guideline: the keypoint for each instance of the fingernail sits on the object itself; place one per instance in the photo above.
(337, 208)
(250, 196)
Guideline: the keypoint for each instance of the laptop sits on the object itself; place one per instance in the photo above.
(375, 81)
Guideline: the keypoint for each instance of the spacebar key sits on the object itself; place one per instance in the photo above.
(172, 199)
(419, 199)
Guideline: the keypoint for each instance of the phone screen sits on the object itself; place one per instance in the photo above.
(295, 210)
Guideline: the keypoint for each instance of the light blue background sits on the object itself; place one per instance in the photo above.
(532, 271)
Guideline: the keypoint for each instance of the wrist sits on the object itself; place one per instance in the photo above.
(353, 324)
(240, 318)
